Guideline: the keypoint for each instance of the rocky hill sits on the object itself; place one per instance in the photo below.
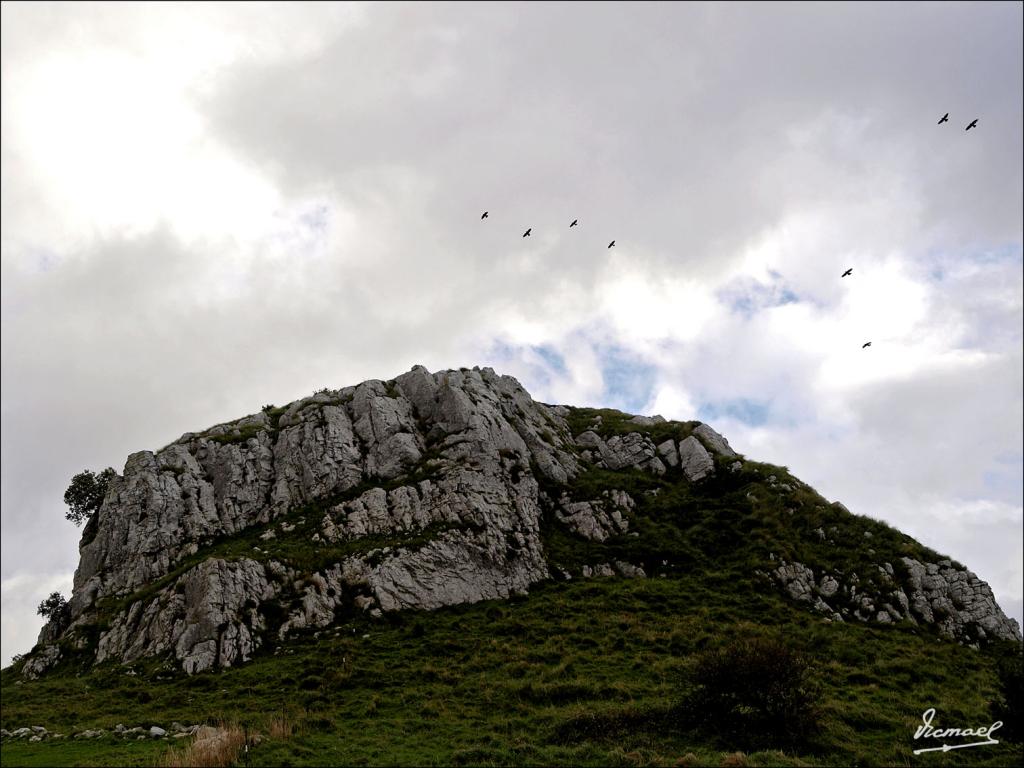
(439, 489)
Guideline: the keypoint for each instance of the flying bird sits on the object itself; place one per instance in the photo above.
(527, 232)
(866, 345)
(484, 216)
(611, 243)
(945, 119)
(847, 272)
(973, 123)
(574, 223)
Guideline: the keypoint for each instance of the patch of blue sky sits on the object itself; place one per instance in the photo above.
(554, 360)
(1007, 479)
(1012, 253)
(542, 362)
(754, 413)
(628, 381)
(747, 297)
(939, 261)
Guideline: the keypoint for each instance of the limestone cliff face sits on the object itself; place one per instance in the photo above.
(424, 491)
(478, 435)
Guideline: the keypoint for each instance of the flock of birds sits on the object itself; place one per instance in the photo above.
(528, 232)
(847, 273)
(972, 124)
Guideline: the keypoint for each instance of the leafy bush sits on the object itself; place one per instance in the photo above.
(55, 608)
(85, 494)
(758, 690)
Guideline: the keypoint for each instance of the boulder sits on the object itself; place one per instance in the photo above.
(694, 459)
(714, 441)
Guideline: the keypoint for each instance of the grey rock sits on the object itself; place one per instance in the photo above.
(714, 441)
(209, 616)
(669, 453)
(633, 449)
(629, 570)
(956, 600)
(598, 519)
(797, 579)
(157, 732)
(829, 586)
(695, 460)
(647, 421)
(40, 661)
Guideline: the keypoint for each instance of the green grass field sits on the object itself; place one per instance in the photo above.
(587, 673)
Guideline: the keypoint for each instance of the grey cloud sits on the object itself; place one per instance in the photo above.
(666, 124)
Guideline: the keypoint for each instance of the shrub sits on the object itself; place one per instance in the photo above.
(55, 609)
(85, 494)
(1008, 707)
(758, 690)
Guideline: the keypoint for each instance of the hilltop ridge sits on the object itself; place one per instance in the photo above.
(439, 489)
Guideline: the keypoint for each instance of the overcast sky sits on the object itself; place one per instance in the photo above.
(206, 208)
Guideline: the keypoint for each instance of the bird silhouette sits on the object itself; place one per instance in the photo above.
(484, 216)
(847, 272)
(611, 243)
(574, 223)
(527, 232)
(945, 119)
(866, 345)
(973, 123)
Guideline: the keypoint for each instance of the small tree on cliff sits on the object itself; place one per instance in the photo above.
(54, 608)
(85, 494)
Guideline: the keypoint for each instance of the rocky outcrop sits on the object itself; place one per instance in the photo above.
(956, 601)
(39, 662)
(209, 618)
(633, 449)
(597, 520)
(473, 443)
(424, 491)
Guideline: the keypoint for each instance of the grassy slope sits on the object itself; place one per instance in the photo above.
(583, 672)
(579, 673)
